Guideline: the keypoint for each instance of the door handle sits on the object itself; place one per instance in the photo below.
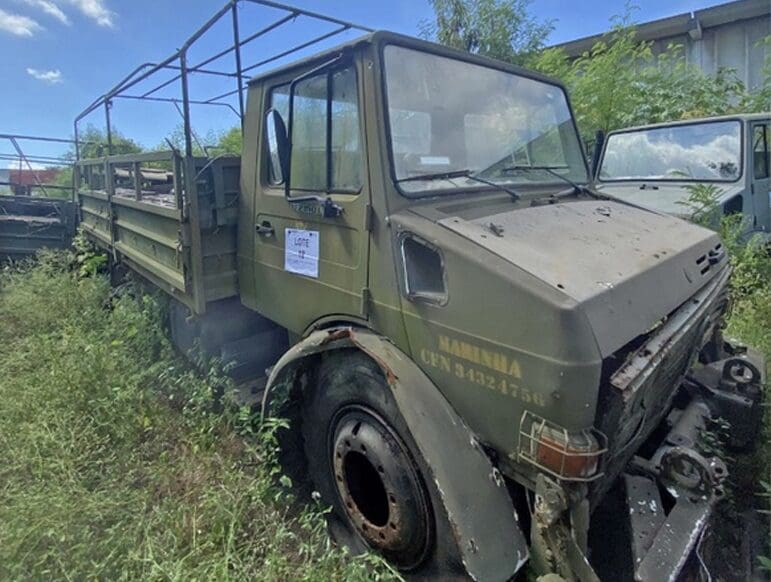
(265, 229)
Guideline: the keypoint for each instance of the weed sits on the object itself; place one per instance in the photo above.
(115, 464)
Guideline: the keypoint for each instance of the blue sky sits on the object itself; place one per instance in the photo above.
(58, 55)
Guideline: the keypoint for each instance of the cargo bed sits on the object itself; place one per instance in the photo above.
(171, 219)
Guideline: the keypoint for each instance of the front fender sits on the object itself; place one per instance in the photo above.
(473, 491)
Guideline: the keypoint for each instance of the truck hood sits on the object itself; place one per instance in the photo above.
(668, 197)
(626, 267)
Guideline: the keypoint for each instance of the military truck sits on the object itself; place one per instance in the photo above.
(473, 347)
(657, 165)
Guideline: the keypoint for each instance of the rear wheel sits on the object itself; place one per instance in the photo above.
(364, 463)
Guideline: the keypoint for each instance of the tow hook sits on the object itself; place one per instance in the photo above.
(679, 467)
(733, 389)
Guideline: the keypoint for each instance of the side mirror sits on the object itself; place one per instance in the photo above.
(278, 147)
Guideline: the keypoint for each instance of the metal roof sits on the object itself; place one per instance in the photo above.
(685, 23)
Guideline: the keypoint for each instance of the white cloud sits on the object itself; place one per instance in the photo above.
(17, 24)
(96, 11)
(49, 8)
(53, 77)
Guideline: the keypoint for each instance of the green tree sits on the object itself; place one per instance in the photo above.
(230, 142)
(94, 145)
(501, 29)
(215, 143)
(619, 82)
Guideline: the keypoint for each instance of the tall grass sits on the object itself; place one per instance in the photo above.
(112, 464)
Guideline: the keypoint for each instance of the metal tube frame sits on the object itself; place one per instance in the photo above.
(27, 160)
(179, 62)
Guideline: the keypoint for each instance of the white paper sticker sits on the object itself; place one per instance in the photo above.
(301, 254)
(435, 160)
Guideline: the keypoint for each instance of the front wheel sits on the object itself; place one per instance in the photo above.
(364, 463)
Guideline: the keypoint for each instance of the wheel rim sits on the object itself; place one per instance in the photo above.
(379, 487)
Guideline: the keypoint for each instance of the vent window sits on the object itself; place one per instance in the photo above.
(423, 271)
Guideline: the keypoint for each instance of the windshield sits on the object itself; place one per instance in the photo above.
(447, 117)
(700, 151)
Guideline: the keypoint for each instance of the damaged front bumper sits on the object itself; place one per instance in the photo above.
(670, 493)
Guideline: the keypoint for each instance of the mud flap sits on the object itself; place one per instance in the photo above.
(474, 494)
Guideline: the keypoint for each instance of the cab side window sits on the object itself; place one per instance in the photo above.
(326, 144)
(760, 158)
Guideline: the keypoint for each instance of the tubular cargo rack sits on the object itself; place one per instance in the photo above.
(172, 216)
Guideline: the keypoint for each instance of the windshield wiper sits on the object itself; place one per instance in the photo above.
(577, 188)
(461, 174)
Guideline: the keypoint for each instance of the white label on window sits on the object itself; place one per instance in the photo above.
(301, 254)
(435, 160)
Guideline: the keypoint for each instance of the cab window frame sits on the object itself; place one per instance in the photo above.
(760, 135)
(329, 188)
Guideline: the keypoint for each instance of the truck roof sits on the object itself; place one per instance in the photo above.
(385, 37)
(734, 116)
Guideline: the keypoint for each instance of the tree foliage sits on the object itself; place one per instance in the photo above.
(213, 144)
(230, 142)
(501, 29)
(95, 144)
(620, 82)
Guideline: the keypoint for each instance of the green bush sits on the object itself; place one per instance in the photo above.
(114, 465)
(619, 82)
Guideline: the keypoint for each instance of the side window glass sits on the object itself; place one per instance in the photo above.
(346, 152)
(279, 100)
(760, 151)
(326, 143)
(309, 135)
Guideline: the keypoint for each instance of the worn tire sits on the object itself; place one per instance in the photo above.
(364, 463)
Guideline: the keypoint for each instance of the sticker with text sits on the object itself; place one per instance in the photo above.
(301, 254)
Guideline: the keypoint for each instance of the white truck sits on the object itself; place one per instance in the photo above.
(654, 165)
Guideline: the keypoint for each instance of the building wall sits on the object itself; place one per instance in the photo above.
(725, 35)
(733, 45)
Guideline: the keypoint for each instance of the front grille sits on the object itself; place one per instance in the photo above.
(641, 380)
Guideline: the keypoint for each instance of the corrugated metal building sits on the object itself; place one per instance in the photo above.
(726, 35)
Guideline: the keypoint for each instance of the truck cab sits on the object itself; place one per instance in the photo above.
(657, 165)
(471, 345)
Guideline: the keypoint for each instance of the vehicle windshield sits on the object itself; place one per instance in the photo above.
(700, 151)
(448, 118)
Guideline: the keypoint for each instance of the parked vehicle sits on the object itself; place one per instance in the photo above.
(657, 165)
(28, 224)
(36, 212)
(471, 345)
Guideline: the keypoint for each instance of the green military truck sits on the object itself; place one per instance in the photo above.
(658, 165)
(474, 347)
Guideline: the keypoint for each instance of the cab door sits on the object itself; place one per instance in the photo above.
(759, 174)
(310, 262)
